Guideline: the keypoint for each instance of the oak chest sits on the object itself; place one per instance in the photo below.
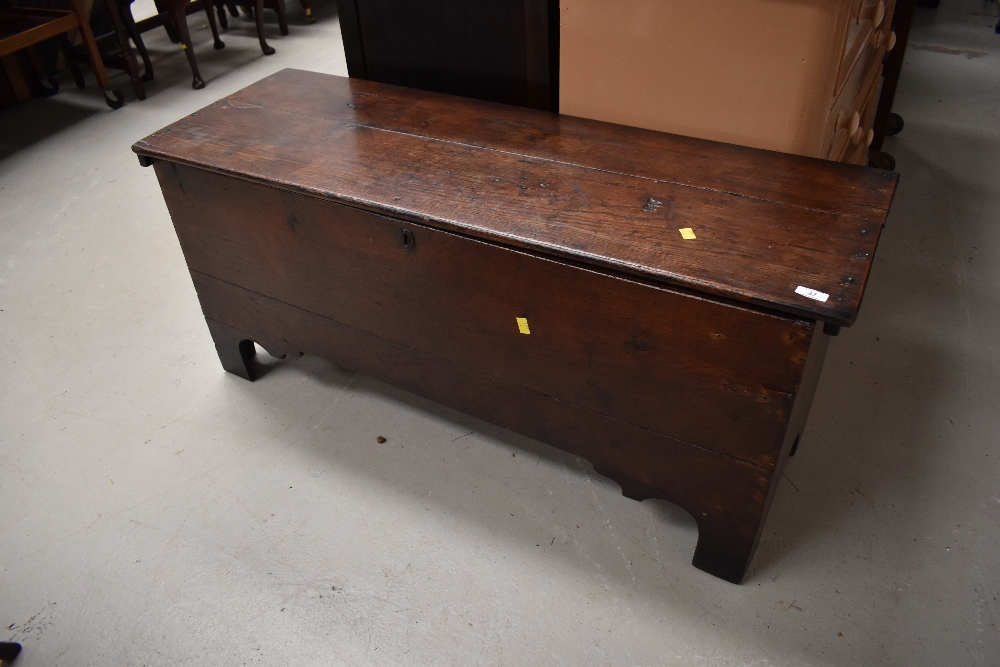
(658, 305)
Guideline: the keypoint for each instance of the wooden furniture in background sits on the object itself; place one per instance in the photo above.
(23, 75)
(255, 9)
(498, 50)
(797, 77)
(116, 52)
(886, 122)
(172, 15)
(23, 27)
(659, 305)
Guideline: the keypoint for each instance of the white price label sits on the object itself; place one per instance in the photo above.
(812, 293)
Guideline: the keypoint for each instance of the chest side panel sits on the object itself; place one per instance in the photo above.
(717, 376)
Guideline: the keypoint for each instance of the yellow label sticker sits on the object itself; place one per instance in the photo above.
(687, 233)
(184, 46)
(522, 325)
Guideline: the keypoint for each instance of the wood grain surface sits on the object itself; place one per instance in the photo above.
(716, 376)
(595, 193)
(728, 498)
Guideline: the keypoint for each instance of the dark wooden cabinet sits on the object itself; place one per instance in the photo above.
(658, 305)
(497, 50)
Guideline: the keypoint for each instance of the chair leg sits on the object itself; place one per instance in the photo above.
(133, 31)
(131, 66)
(307, 7)
(218, 43)
(114, 98)
(48, 83)
(279, 6)
(223, 18)
(179, 17)
(70, 57)
(168, 24)
(259, 16)
(93, 55)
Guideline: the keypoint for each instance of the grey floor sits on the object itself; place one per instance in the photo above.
(155, 510)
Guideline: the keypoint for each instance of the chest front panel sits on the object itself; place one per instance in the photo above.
(719, 376)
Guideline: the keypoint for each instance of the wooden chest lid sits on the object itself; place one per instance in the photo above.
(776, 230)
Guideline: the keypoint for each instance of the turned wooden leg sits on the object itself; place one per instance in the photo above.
(236, 351)
(178, 16)
(218, 43)
(259, 16)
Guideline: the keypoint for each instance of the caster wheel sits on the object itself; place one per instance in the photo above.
(198, 83)
(882, 160)
(114, 98)
(49, 87)
(894, 125)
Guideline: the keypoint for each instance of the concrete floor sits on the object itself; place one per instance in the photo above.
(155, 510)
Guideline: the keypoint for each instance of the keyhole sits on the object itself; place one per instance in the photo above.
(406, 239)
